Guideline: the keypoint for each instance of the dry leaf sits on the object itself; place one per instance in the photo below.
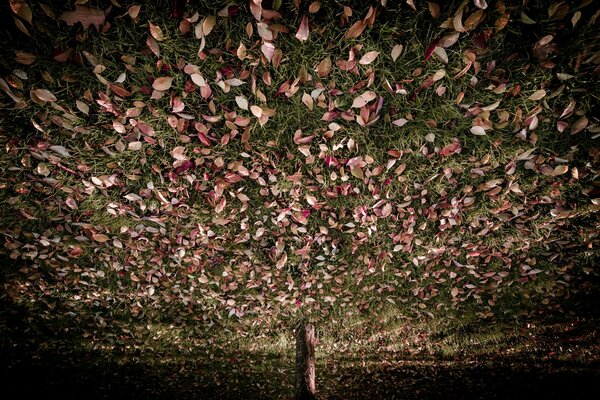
(308, 101)
(162, 83)
(268, 50)
(135, 146)
(256, 111)
(85, 15)
(480, 4)
(538, 95)
(303, 30)
(324, 68)
(44, 95)
(559, 170)
(314, 7)
(134, 11)
(208, 24)
(355, 30)
(368, 58)
(241, 102)
(457, 21)
(256, 9)
(83, 107)
(156, 32)
(434, 9)
(579, 125)
(179, 153)
(100, 237)
(396, 51)
(21, 9)
(477, 130)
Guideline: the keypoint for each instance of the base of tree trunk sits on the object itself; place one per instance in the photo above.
(305, 362)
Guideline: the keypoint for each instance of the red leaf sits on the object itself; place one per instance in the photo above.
(450, 149)
(430, 49)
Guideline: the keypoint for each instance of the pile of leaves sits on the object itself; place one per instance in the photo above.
(246, 165)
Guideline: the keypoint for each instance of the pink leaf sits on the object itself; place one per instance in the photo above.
(368, 58)
(303, 30)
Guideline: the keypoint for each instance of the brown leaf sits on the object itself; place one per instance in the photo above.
(303, 30)
(355, 30)
(559, 170)
(308, 101)
(434, 9)
(119, 90)
(85, 15)
(100, 237)
(457, 21)
(44, 95)
(538, 95)
(134, 11)
(314, 7)
(324, 68)
(208, 24)
(579, 125)
(162, 83)
(24, 58)
(156, 32)
(21, 9)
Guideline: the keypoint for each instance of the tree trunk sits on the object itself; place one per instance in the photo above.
(305, 362)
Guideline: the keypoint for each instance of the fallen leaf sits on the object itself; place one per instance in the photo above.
(134, 11)
(268, 50)
(559, 170)
(579, 125)
(208, 24)
(482, 4)
(25, 58)
(21, 9)
(44, 95)
(256, 111)
(324, 68)
(434, 9)
(369, 58)
(314, 7)
(100, 237)
(355, 30)
(400, 122)
(538, 95)
(135, 146)
(303, 30)
(156, 32)
(179, 153)
(396, 51)
(85, 15)
(308, 101)
(256, 9)
(477, 130)
(162, 83)
(241, 102)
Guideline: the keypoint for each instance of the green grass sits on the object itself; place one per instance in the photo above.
(180, 273)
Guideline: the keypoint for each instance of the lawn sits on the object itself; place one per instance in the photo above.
(181, 183)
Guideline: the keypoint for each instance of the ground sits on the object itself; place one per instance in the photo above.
(182, 182)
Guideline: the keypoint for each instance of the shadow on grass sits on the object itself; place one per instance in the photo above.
(264, 376)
